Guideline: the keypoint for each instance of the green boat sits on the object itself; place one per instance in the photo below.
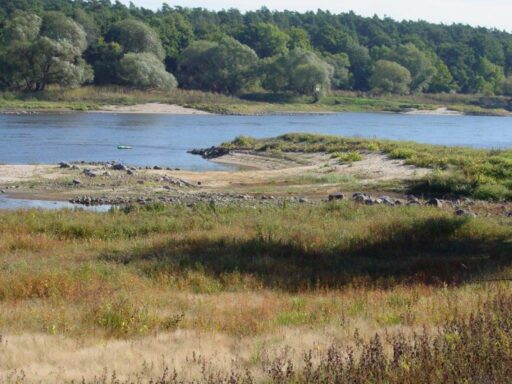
(124, 147)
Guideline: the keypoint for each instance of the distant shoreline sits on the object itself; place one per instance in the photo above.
(174, 109)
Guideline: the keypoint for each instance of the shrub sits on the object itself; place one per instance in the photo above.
(494, 192)
(145, 71)
(348, 157)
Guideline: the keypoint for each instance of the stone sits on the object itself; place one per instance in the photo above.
(387, 200)
(435, 203)
(359, 197)
(90, 173)
(303, 200)
(119, 167)
(64, 164)
(336, 196)
(368, 200)
(464, 213)
(129, 172)
(210, 153)
(77, 182)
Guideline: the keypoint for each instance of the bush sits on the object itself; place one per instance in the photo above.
(494, 192)
(348, 157)
(145, 71)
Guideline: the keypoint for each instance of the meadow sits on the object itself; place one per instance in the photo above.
(330, 292)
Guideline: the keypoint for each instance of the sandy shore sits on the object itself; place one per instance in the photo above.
(152, 108)
(443, 111)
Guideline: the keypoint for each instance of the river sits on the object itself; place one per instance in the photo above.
(164, 139)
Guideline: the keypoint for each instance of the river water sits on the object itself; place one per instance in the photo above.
(164, 139)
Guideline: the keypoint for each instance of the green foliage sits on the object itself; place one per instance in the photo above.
(266, 39)
(390, 77)
(341, 78)
(506, 86)
(299, 38)
(226, 66)
(104, 58)
(49, 51)
(298, 71)
(145, 71)
(137, 37)
(419, 65)
(442, 81)
(176, 33)
(440, 58)
(347, 157)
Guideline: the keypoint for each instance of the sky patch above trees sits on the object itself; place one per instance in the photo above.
(487, 13)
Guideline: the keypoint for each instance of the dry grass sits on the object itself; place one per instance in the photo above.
(230, 287)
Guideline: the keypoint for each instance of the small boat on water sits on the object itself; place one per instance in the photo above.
(124, 147)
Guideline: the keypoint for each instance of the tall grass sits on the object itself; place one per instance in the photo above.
(251, 274)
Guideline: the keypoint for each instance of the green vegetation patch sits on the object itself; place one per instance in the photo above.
(483, 174)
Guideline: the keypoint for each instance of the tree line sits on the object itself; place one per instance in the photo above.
(75, 42)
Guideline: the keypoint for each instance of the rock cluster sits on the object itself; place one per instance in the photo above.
(410, 200)
(188, 199)
(210, 153)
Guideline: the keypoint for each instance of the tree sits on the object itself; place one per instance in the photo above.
(298, 71)
(136, 37)
(104, 58)
(332, 39)
(226, 66)
(176, 34)
(442, 80)
(390, 77)
(419, 65)
(87, 22)
(266, 39)
(409, 56)
(507, 86)
(46, 52)
(145, 71)
(359, 58)
(21, 27)
(341, 77)
(489, 77)
(298, 38)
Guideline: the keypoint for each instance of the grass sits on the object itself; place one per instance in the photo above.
(249, 275)
(93, 97)
(460, 171)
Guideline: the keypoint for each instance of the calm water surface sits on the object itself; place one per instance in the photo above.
(164, 139)
(10, 203)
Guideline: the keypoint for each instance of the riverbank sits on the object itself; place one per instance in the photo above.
(289, 168)
(308, 246)
(120, 99)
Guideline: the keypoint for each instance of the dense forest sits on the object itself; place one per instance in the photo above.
(70, 43)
